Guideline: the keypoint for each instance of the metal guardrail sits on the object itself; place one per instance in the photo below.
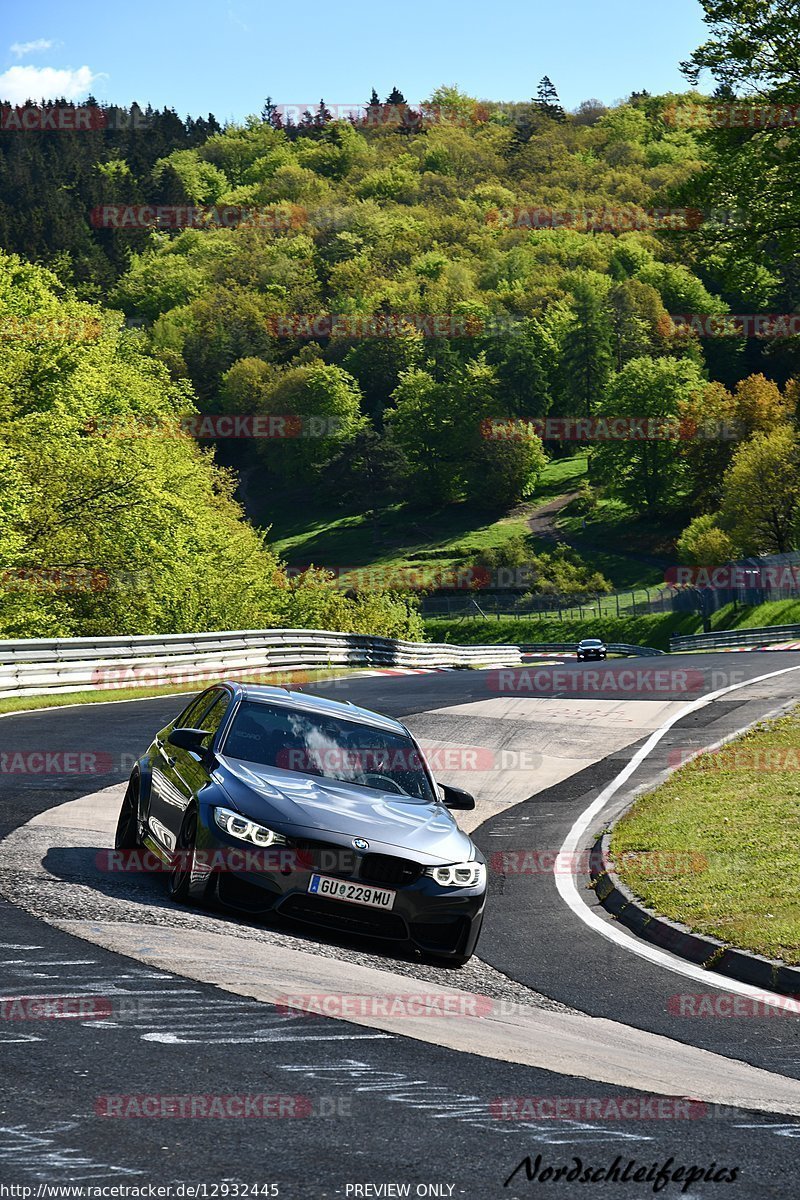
(572, 648)
(47, 666)
(727, 638)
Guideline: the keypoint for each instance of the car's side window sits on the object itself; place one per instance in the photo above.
(193, 711)
(213, 718)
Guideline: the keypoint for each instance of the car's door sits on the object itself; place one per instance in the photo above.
(192, 770)
(170, 790)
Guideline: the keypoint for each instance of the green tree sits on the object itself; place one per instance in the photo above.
(548, 101)
(761, 493)
(638, 321)
(586, 352)
(647, 472)
(316, 410)
(429, 435)
(377, 364)
(754, 45)
(704, 543)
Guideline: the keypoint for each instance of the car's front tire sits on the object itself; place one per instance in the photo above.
(185, 884)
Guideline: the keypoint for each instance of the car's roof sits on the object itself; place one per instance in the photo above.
(318, 704)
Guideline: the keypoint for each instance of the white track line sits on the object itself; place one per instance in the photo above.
(565, 881)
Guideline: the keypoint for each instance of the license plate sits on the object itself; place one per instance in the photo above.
(351, 893)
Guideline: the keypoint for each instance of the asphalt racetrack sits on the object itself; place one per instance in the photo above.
(175, 1060)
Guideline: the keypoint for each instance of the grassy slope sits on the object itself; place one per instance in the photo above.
(652, 630)
(723, 835)
(404, 536)
(407, 536)
(649, 543)
(777, 612)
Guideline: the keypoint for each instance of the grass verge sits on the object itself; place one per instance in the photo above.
(651, 630)
(12, 704)
(724, 835)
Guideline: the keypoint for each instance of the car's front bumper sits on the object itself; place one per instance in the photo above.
(435, 919)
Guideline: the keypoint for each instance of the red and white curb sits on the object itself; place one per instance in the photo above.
(750, 649)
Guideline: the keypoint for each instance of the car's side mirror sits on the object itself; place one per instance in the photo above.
(189, 739)
(453, 797)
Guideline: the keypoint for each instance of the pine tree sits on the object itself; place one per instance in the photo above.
(395, 97)
(548, 101)
(586, 355)
(323, 115)
(271, 114)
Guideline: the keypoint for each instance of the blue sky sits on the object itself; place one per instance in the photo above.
(225, 57)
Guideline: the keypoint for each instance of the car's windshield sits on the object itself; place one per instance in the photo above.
(591, 642)
(313, 743)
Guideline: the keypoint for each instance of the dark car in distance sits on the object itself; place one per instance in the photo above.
(271, 801)
(592, 648)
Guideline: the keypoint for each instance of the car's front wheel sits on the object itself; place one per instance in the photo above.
(187, 884)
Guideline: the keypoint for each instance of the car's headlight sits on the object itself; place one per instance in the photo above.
(468, 874)
(238, 826)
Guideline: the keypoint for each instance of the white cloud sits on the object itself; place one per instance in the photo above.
(20, 49)
(19, 84)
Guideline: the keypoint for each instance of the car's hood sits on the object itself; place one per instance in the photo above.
(287, 801)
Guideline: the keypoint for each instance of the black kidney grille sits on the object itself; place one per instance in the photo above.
(388, 870)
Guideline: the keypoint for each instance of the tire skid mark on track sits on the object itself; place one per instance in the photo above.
(40, 1155)
(168, 1014)
(444, 1104)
